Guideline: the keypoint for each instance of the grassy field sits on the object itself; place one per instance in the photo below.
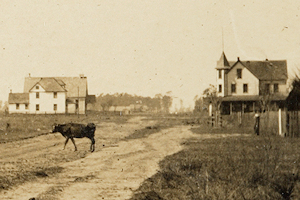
(245, 167)
(28, 126)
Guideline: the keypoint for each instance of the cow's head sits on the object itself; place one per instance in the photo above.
(91, 127)
(54, 128)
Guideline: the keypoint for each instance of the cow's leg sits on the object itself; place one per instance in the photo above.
(74, 144)
(67, 139)
(92, 148)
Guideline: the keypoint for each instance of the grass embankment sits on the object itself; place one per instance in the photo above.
(252, 167)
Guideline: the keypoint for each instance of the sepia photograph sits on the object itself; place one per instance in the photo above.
(149, 100)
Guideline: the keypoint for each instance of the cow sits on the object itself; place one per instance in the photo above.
(73, 130)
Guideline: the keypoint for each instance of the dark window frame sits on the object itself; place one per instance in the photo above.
(267, 88)
(245, 88)
(276, 87)
(233, 88)
(239, 73)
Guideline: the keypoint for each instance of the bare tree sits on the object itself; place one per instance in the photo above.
(211, 96)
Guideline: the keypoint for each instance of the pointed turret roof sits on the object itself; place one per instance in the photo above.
(223, 62)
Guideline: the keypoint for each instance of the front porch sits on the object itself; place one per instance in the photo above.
(249, 104)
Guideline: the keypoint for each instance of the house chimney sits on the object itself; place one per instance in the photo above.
(238, 58)
(267, 59)
(29, 75)
(10, 90)
(81, 76)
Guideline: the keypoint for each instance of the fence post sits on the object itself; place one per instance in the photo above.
(279, 122)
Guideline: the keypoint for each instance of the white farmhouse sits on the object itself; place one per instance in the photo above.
(243, 85)
(51, 95)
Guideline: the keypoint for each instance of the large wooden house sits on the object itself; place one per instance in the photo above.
(51, 95)
(245, 86)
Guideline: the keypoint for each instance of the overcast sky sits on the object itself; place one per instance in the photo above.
(142, 47)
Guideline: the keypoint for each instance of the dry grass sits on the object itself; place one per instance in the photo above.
(228, 168)
(29, 126)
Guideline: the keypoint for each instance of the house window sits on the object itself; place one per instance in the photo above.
(245, 88)
(220, 74)
(276, 88)
(233, 88)
(37, 87)
(76, 104)
(220, 88)
(26, 106)
(267, 88)
(37, 95)
(239, 73)
(37, 107)
(55, 107)
(17, 106)
(55, 95)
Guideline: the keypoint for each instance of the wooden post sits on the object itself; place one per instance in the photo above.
(210, 110)
(279, 122)
(243, 108)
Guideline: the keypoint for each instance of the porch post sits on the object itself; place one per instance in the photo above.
(230, 108)
(242, 107)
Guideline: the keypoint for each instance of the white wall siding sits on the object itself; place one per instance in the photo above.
(81, 106)
(46, 102)
(12, 108)
(247, 78)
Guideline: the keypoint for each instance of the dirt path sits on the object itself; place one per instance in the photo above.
(112, 172)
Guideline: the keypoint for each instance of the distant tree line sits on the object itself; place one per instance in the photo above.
(159, 103)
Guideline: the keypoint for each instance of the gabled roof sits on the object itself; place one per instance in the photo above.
(18, 98)
(74, 86)
(268, 70)
(223, 62)
(50, 85)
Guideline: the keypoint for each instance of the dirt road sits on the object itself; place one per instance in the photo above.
(113, 171)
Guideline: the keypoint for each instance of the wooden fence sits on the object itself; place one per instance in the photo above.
(283, 123)
(293, 124)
